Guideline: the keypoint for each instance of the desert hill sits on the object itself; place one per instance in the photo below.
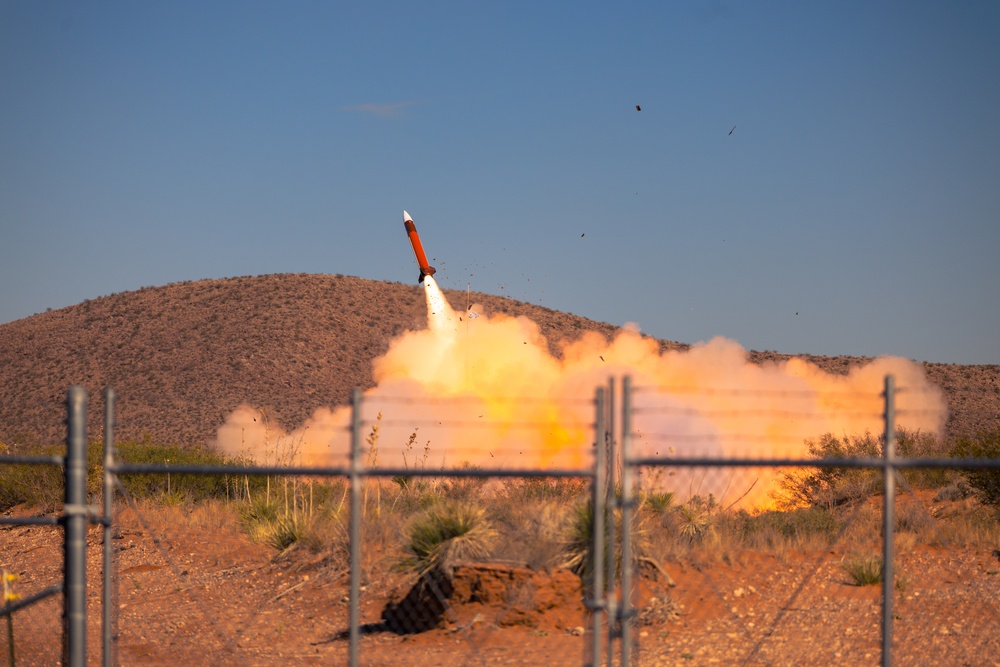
(182, 356)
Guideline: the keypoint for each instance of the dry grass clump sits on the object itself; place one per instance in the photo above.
(307, 514)
(533, 532)
(864, 570)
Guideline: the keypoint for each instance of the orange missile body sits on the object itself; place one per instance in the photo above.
(418, 250)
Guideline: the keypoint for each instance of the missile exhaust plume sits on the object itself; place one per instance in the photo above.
(486, 391)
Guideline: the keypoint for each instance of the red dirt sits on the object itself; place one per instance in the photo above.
(204, 594)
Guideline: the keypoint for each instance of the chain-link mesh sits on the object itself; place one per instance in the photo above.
(711, 562)
(33, 633)
(784, 564)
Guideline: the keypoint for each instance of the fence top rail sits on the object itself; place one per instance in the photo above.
(305, 471)
(34, 460)
(860, 462)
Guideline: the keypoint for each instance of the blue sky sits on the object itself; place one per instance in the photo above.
(853, 210)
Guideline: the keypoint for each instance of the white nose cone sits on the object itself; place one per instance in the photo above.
(406, 217)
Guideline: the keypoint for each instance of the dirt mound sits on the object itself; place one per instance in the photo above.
(510, 596)
(498, 595)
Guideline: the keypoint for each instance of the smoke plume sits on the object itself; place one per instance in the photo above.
(484, 390)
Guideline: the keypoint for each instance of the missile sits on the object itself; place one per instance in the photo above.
(418, 250)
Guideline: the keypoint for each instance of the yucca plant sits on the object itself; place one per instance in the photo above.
(448, 533)
(864, 570)
(579, 540)
(696, 518)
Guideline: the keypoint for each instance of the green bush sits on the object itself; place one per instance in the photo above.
(42, 486)
(35, 485)
(192, 487)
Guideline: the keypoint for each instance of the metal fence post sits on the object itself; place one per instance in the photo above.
(625, 615)
(611, 604)
(75, 527)
(107, 599)
(598, 504)
(888, 519)
(355, 539)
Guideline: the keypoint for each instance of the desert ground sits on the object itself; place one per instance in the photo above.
(192, 588)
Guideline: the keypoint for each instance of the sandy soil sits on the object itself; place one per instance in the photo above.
(193, 590)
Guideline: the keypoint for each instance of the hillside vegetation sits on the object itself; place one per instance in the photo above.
(182, 356)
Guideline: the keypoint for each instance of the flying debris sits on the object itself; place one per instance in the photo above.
(418, 250)
(731, 131)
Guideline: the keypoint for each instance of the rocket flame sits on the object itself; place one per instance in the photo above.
(486, 391)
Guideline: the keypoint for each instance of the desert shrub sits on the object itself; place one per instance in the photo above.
(957, 489)
(464, 489)
(985, 482)
(533, 489)
(415, 495)
(297, 512)
(921, 444)
(659, 501)
(912, 517)
(579, 539)
(256, 516)
(43, 486)
(830, 487)
(272, 522)
(35, 485)
(532, 534)
(533, 514)
(448, 533)
(191, 487)
(696, 518)
(777, 530)
(864, 570)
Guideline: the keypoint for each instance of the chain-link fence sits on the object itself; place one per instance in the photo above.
(445, 542)
(30, 618)
(699, 528)
(852, 548)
